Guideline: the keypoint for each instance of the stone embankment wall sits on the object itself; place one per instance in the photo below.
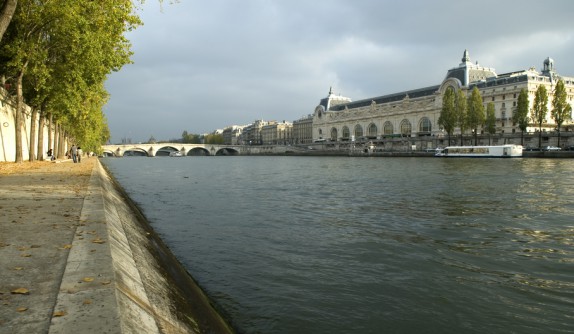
(150, 291)
(8, 130)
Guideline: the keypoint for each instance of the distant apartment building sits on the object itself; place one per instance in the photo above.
(232, 134)
(251, 134)
(415, 113)
(275, 133)
(303, 130)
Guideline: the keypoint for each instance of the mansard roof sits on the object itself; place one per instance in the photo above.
(470, 75)
(421, 92)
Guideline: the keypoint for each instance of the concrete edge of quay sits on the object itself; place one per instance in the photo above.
(139, 286)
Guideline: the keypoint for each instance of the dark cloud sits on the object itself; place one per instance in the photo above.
(201, 65)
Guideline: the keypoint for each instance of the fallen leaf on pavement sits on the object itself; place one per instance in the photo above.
(20, 291)
(22, 309)
(59, 314)
(88, 279)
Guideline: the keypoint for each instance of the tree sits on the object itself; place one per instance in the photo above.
(190, 138)
(460, 108)
(447, 118)
(213, 138)
(540, 109)
(59, 53)
(520, 117)
(6, 14)
(490, 121)
(475, 115)
(561, 109)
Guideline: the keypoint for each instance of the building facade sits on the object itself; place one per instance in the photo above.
(303, 130)
(415, 113)
(232, 135)
(275, 133)
(251, 134)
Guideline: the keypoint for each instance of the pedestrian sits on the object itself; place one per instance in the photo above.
(51, 155)
(79, 154)
(74, 153)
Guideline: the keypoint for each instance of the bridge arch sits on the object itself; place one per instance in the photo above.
(227, 151)
(108, 153)
(198, 151)
(132, 152)
(164, 151)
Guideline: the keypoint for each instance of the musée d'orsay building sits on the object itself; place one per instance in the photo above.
(415, 113)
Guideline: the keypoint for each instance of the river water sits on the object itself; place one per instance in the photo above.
(369, 245)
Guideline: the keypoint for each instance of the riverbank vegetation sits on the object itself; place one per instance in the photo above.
(464, 112)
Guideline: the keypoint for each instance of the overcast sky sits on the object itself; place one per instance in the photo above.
(204, 65)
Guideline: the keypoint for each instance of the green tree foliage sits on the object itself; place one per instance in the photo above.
(561, 109)
(59, 53)
(490, 121)
(216, 139)
(520, 117)
(447, 117)
(540, 110)
(461, 111)
(475, 115)
(190, 138)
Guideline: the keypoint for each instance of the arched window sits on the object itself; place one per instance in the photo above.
(406, 127)
(358, 131)
(388, 128)
(334, 134)
(372, 130)
(425, 125)
(346, 133)
(320, 131)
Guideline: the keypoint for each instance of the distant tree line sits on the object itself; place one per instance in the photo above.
(464, 112)
(190, 138)
(55, 56)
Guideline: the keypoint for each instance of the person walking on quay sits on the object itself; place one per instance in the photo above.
(79, 154)
(74, 153)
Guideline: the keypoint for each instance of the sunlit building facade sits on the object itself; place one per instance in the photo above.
(415, 113)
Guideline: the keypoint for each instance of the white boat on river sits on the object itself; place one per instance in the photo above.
(500, 151)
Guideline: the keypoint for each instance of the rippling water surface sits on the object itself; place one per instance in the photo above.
(369, 245)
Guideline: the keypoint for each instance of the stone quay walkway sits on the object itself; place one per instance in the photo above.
(76, 257)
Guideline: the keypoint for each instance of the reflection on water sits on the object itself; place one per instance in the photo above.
(369, 245)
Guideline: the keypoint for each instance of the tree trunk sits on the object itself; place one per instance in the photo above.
(62, 142)
(522, 138)
(6, 14)
(19, 119)
(41, 125)
(55, 152)
(32, 149)
(50, 134)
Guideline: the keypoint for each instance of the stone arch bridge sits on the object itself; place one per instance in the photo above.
(164, 149)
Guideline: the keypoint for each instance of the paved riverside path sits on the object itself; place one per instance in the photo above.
(75, 258)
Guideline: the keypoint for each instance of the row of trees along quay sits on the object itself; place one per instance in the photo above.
(55, 56)
(464, 112)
